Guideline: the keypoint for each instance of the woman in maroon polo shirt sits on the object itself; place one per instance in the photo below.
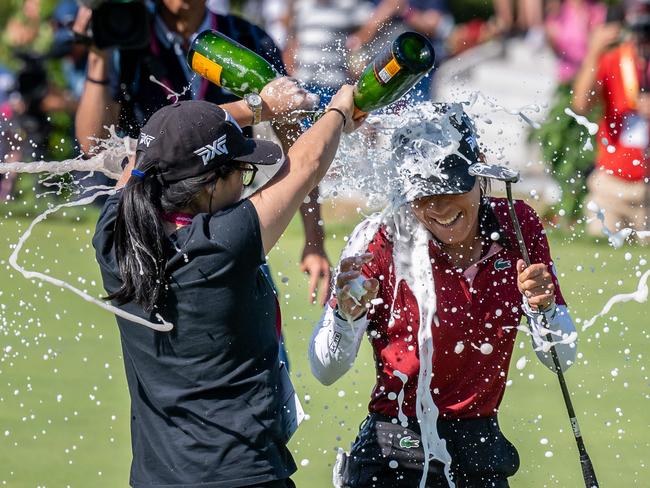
(470, 298)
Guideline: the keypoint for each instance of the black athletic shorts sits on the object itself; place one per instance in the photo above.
(387, 455)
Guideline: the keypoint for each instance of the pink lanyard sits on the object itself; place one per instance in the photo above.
(177, 218)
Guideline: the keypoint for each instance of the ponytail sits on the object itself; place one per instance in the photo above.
(140, 244)
(140, 239)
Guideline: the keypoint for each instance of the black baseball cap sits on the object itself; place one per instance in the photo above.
(439, 167)
(194, 137)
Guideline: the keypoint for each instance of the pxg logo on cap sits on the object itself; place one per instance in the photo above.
(146, 139)
(211, 151)
(218, 147)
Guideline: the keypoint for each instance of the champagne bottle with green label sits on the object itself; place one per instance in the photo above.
(394, 71)
(228, 64)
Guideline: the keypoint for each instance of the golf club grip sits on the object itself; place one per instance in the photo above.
(588, 472)
(515, 224)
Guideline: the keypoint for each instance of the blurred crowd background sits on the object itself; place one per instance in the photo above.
(326, 42)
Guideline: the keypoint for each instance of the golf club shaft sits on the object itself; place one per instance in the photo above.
(588, 472)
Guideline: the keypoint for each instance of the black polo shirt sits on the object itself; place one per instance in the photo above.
(205, 396)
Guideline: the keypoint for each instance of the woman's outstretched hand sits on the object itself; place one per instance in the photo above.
(344, 101)
(353, 292)
(536, 284)
(283, 99)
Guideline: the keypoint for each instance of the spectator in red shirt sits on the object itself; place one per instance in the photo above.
(620, 78)
(471, 296)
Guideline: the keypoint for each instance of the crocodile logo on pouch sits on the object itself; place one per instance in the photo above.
(408, 443)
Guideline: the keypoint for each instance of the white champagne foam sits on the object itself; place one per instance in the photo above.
(107, 157)
(366, 164)
(639, 296)
(592, 128)
(403, 419)
(13, 261)
(171, 93)
(616, 239)
(518, 112)
(413, 266)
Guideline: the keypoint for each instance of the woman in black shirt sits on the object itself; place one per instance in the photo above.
(178, 243)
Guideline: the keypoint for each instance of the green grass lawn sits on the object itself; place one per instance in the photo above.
(64, 403)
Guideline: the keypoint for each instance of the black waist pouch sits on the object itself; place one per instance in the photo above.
(386, 452)
(478, 447)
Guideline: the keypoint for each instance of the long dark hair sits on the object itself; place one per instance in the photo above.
(140, 239)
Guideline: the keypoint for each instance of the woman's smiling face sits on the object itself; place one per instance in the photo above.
(452, 219)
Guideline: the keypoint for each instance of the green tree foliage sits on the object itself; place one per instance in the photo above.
(562, 142)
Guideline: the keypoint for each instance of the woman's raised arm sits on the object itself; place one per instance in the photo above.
(306, 164)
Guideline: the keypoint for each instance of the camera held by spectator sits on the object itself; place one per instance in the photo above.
(118, 24)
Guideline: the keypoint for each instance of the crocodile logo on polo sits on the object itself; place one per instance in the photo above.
(501, 264)
(408, 443)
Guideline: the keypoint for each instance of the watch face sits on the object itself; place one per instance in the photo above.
(254, 99)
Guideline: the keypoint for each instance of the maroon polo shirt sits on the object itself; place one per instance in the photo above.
(477, 306)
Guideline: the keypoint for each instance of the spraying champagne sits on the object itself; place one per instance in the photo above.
(392, 73)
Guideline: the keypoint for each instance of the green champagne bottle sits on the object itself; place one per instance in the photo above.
(228, 64)
(394, 71)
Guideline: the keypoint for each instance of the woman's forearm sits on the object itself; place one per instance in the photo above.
(586, 89)
(314, 151)
(240, 111)
(380, 16)
(564, 336)
(307, 162)
(334, 346)
(96, 107)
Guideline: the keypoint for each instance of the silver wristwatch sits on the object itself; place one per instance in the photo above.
(254, 101)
